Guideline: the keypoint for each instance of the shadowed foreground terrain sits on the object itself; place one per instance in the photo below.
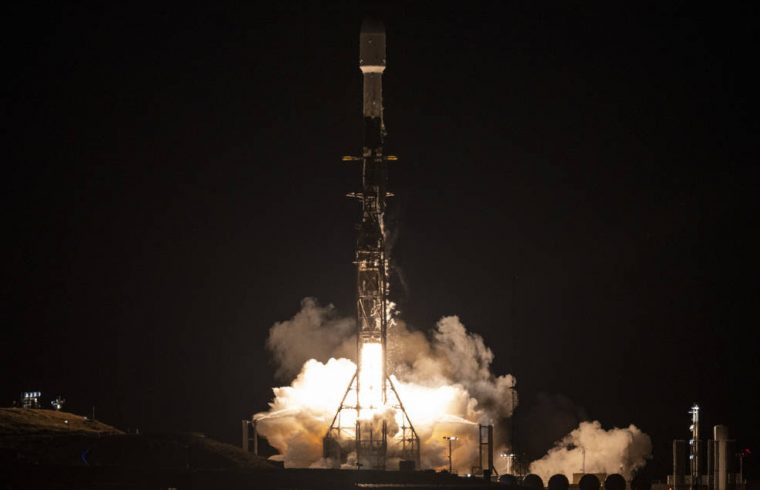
(49, 449)
(36, 421)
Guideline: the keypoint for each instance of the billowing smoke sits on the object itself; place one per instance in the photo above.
(596, 450)
(452, 355)
(298, 416)
(315, 332)
(444, 380)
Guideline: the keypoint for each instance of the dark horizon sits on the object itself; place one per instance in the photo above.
(575, 183)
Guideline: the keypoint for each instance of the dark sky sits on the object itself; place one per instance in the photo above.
(575, 181)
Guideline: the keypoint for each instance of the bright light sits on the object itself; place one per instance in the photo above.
(371, 379)
(301, 413)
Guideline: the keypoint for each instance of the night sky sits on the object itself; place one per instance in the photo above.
(575, 181)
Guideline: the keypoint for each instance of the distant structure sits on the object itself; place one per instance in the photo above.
(31, 399)
(694, 447)
(509, 461)
(359, 425)
(485, 453)
(58, 402)
(250, 437)
(719, 472)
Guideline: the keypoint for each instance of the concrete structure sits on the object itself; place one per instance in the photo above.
(719, 472)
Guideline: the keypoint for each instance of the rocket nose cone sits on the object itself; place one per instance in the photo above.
(372, 26)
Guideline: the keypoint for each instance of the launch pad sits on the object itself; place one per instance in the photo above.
(371, 411)
(370, 437)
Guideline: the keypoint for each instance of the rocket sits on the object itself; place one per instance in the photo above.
(371, 388)
(371, 261)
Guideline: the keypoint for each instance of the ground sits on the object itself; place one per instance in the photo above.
(37, 421)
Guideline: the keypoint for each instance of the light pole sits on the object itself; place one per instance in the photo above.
(583, 465)
(450, 439)
(510, 457)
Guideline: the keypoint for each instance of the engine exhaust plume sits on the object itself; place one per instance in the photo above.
(444, 379)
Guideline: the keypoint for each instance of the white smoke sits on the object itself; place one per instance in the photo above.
(315, 332)
(452, 355)
(444, 380)
(597, 450)
(298, 416)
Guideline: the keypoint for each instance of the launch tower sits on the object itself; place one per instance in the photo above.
(371, 405)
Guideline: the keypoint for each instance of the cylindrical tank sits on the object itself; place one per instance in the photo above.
(589, 482)
(532, 481)
(720, 434)
(558, 482)
(614, 481)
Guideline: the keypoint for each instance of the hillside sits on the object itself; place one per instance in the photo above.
(48, 437)
(17, 421)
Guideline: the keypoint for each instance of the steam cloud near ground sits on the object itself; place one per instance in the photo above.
(445, 381)
(606, 451)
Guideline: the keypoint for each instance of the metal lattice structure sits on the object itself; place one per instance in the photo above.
(361, 421)
(694, 444)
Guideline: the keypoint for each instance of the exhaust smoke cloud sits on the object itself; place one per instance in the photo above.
(596, 450)
(444, 380)
(315, 332)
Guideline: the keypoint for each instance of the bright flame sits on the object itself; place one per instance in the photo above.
(300, 414)
(443, 380)
(371, 383)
